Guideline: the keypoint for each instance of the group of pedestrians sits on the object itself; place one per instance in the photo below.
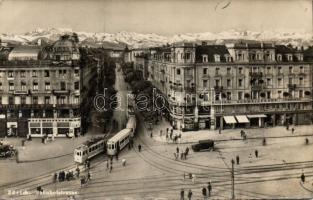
(170, 135)
(183, 155)
(206, 192)
(256, 153)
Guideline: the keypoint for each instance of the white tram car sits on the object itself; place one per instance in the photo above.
(89, 149)
(118, 141)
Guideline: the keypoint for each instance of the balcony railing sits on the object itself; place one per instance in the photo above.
(256, 74)
(37, 106)
(60, 91)
(292, 86)
(257, 87)
(218, 88)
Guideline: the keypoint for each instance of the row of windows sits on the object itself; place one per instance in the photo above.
(35, 86)
(254, 69)
(267, 82)
(34, 73)
(34, 100)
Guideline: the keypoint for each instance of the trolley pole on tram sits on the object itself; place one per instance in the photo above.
(232, 180)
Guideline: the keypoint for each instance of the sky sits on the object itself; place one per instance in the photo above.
(165, 17)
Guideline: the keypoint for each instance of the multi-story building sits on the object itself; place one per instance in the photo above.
(42, 94)
(239, 84)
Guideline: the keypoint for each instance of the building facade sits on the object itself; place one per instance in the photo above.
(233, 85)
(42, 97)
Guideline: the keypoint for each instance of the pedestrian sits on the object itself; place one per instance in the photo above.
(204, 193)
(166, 136)
(88, 164)
(237, 160)
(124, 162)
(256, 153)
(151, 134)
(166, 130)
(184, 176)
(241, 133)
(139, 147)
(193, 178)
(111, 168)
(177, 150)
(287, 126)
(306, 141)
(182, 194)
(264, 141)
(185, 156)
(302, 177)
(292, 130)
(209, 188)
(77, 172)
(171, 135)
(190, 176)
(55, 177)
(88, 176)
(187, 151)
(182, 156)
(189, 194)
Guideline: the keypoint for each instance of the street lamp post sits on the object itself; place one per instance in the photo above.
(221, 120)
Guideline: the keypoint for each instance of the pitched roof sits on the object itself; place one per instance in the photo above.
(211, 50)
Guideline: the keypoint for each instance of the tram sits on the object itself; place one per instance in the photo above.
(89, 149)
(131, 124)
(118, 141)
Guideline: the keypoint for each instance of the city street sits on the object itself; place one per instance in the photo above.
(154, 173)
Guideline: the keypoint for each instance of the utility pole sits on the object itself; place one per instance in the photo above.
(232, 180)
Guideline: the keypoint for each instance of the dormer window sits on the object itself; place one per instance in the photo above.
(217, 58)
(228, 58)
(205, 58)
(279, 57)
(289, 57)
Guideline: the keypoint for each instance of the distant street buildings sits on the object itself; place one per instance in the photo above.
(233, 85)
(42, 88)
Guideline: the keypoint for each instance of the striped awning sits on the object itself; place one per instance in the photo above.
(230, 119)
(242, 119)
(256, 116)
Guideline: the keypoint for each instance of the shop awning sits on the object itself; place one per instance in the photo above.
(256, 116)
(242, 119)
(230, 119)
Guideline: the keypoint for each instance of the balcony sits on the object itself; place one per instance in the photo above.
(257, 87)
(60, 92)
(218, 88)
(22, 92)
(256, 74)
(292, 86)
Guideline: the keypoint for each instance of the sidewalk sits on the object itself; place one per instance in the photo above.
(228, 134)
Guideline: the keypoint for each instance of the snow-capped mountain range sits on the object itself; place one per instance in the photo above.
(137, 40)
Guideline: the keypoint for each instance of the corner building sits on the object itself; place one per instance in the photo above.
(233, 85)
(41, 91)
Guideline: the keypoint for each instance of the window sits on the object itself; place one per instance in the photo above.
(76, 100)
(217, 71)
(23, 86)
(204, 58)
(23, 74)
(1, 88)
(23, 100)
(34, 73)
(268, 70)
(217, 58)
(35, 86)
(279, 81)
(290, 69)
(301, 69)
(269, 81)
(228, 95)
(47, 100)
(47, 86)
(301, 80)
(279, 93)
(240, 82)
(1, 74)
(10, 74)
(62, 86)
(290, 80)
(205, 83)
(11, 100)
(178, 71)
(47, 73)
(279, 70)
(228, 70)
(289, 56)
(240, 94)
(0, 100)
(76, 72)
(228, 83)
(76, 85)
(35, 100)
(11, 86)
(300, 93)
(205, 70)
(217, 82)
(61, 100)
(240, 70)
(268, 94)
(279, 57)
